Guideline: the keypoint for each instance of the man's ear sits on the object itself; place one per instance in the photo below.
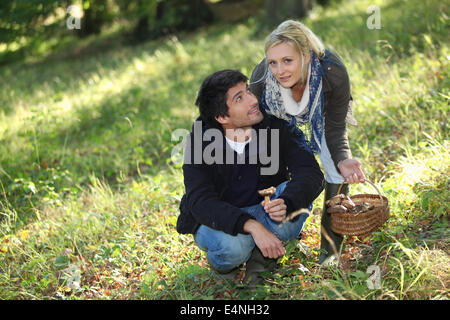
(222, 119)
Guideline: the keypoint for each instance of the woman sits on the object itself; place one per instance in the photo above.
(308, 86)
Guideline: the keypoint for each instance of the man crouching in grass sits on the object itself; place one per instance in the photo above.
(226, 162)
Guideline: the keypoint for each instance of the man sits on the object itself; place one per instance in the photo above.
(226, 162)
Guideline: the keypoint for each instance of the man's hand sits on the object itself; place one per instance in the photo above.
(266, 241)
(276, 209)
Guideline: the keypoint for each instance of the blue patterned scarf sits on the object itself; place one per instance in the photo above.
(272, 102)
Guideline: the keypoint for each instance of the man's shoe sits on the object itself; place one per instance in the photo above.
(229, 275)
(256, 265)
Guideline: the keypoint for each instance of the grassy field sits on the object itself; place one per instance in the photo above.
(89, 194)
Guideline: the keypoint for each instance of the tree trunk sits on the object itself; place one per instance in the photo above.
(94, 18)
(279, 10)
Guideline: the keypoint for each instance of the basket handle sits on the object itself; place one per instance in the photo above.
(370, 182)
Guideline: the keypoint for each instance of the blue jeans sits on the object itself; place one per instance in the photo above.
(225, 252)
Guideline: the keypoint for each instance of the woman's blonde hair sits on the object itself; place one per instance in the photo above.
(296, 34)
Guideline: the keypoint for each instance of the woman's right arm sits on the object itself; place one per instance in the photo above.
(336, 109)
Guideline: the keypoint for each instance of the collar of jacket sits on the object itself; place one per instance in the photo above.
(260, 149)
(327, 61)
(225, 170)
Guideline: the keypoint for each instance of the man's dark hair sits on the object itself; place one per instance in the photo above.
(212, 96)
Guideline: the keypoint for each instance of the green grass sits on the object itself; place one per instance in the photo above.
(89, 195)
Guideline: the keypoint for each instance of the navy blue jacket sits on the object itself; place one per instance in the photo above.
(207, 184)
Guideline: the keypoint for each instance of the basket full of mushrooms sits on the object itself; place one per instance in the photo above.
(357, 215)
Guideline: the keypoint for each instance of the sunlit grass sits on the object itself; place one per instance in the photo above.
(87, 180)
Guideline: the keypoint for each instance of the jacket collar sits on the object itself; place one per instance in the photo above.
(325, 63)
(264, 124)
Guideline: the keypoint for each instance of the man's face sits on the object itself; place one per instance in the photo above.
(243, 108)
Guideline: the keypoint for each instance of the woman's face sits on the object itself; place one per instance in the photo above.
(286, 64)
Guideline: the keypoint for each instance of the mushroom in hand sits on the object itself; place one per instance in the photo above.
(266, 193)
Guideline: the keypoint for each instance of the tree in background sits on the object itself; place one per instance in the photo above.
(27, 25)
(280, 10)
(97, 13)
(154, 18)
(169, 16)
(235, 10)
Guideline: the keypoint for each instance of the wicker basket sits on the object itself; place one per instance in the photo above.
(364, 223)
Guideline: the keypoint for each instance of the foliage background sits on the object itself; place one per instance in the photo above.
(88, 191)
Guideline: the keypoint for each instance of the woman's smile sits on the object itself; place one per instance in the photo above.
(284, 79)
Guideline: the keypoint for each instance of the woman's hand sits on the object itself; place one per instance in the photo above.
(351, 170)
